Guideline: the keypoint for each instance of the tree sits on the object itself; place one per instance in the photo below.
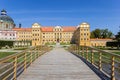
(105, 33)
(95, 33)
(101, 33)
(117, 37)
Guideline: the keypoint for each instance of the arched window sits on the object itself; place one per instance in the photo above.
(6, 26)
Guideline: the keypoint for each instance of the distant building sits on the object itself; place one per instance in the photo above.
(41, 35)
(6, 26)
(99, 42)
(82, 35)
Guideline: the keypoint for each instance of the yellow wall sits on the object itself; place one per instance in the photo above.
(81, 36)
(24, 35)
(36, 35)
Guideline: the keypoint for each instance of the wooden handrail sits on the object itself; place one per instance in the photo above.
(24, 58)
(99, 59)
(105, 52)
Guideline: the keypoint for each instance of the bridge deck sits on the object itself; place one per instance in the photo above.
(58, 64)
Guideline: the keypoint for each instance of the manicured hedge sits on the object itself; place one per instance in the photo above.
(113, 44)
(4, 43)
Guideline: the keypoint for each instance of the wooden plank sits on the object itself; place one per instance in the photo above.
(58, 64)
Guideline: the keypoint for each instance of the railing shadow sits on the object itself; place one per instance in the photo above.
(93, 68)
(105, 64)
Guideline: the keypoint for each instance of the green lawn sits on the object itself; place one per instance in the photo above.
(20, 48)
(117, 53)
(4, 54)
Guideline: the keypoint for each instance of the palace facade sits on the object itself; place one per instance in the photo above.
(41, 35)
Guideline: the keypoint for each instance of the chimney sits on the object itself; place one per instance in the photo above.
(20, 25)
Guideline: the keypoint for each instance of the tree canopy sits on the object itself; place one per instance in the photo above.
(118, 36)
(101, 33)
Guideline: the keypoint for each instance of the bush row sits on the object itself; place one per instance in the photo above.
(4, 43)
(113, 44)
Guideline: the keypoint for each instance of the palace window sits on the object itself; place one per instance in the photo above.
(6, 25)
(5, 34)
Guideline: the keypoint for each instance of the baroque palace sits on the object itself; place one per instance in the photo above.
(41, 35)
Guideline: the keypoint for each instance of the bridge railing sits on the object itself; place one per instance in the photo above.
(107, 62)
(12, 66)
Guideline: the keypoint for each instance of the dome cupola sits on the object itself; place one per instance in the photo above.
(3, 12)
(6, 22)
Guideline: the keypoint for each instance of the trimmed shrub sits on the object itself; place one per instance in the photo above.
(6, 43)
(113, 44)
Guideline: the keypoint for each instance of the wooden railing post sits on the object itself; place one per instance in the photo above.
(75, 48)
(113, 69)
(78, 49)
(31, 58)
(92, 57)
(35, 53)
(86, 53)
(25, 57)
(15, 68)
(100, 61)
(40, 50)
(82, 51)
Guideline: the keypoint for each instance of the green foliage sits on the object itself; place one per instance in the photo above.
(101, 33)
(118, 37)
(5, 54)
(62, 43)
(112, 44)
(4, 43)
(117, 53)
(22, 48)
(53, 43)
(47, 43)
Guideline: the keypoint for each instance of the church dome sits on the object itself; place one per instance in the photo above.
(5, 18)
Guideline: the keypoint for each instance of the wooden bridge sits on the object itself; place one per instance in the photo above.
(85, 63)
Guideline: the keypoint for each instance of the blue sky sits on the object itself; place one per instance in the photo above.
(98, 13)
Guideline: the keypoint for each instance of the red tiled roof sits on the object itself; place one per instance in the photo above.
(22, 29)
(69, 29)
(47, 29)
(99, 39)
